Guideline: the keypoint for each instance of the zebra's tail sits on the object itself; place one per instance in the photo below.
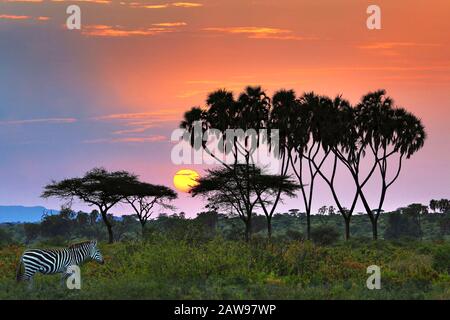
(19, 271)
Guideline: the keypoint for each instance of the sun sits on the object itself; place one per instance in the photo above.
(185, 179)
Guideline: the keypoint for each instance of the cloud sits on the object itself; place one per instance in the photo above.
(33, 1)
(142, 127)
(145, 6)
(88, 1)
(20, 18)
(187, 4)
(133, 123)
(118, 31)
(394, 45)
(14, 17)
(170, 24)
(158, 116)
(163, 5)
(144, 139)
(39, 121)
(258, 32)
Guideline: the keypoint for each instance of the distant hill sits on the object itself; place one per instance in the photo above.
(22, 214)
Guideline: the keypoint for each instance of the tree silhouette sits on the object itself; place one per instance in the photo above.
(443, 205)
(301, 139)
(365, 140)
(223, 113)
(143, 197)
(390, 134)
(220, 187)
(97, 187)
(335, 128)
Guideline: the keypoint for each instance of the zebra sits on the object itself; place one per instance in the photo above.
(51, 261)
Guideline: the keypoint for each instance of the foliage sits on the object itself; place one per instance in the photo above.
(442, 258)
(98, 187)
(443, 205)
(165, 268)
(325, 235)
(402, 226)
(5, 237)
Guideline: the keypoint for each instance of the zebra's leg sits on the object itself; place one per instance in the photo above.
(28, 277)
(29, 281)
(66, 274)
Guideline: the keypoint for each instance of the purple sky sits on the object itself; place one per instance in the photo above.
(70, 101)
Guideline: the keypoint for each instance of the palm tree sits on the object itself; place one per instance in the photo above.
(284, 103)
(336, 132)
(386, 132)
(306, 132)
(223, 112)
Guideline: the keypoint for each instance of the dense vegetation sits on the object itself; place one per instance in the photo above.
(162, 268)
(412, 222)
(206, 258)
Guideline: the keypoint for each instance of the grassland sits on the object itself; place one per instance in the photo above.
(224, 269)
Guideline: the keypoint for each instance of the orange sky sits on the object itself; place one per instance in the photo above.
(146, 62)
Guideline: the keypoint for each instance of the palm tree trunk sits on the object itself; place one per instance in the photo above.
(308, 226)
(347, 229)
(374, 228)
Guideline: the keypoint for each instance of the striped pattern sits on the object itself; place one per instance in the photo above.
(51, 261)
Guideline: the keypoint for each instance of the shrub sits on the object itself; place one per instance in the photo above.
(324, 235)
(294, 235)
(402, 226)
(5, 237)
(441, 259)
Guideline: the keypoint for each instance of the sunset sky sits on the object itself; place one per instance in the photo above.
(111, 93)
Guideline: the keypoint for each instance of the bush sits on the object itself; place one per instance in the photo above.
(441, 259)
(402, 226)
(5, 237)
(294, 235)
(324, 235)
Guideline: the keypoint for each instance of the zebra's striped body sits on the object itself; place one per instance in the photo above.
(51, 261)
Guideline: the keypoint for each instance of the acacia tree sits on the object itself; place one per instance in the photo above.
(97, 187)
(143, 197)
(269, 190)
(220, 187)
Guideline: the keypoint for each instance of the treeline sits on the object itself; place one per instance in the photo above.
(318, 136)
(104, 190)
(416, 221)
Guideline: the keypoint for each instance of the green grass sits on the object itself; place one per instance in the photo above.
(220, 269)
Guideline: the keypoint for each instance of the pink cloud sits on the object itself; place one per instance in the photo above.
(44, 121)
(145, 139)
(117, 31)
(258, 32)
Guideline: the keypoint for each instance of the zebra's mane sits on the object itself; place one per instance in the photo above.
(81, 244)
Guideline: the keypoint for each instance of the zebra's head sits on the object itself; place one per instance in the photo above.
(95, 253)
